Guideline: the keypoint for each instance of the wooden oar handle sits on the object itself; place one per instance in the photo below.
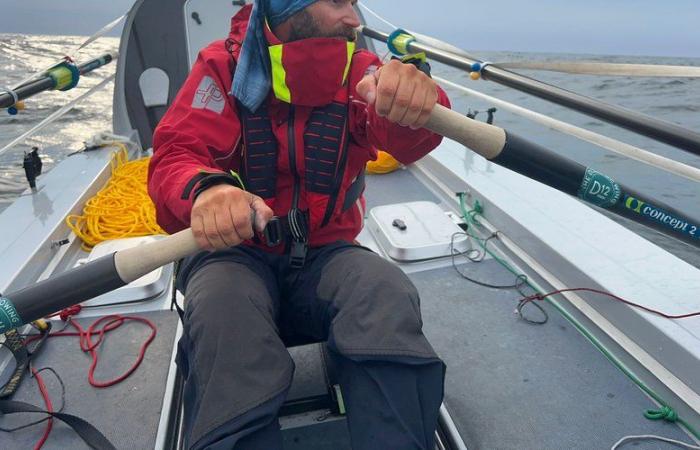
(484, 139)
(133, 263)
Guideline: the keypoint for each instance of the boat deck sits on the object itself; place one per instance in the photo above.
(511, 384)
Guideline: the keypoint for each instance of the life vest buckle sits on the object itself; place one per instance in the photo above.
(297, 254)
(273, 232)
(298, 228)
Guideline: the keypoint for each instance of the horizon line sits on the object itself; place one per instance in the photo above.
(555, 52)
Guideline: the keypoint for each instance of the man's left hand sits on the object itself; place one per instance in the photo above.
(401, 93)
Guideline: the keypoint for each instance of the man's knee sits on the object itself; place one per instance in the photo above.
(230, 322)
(377, 307)
(230, 352)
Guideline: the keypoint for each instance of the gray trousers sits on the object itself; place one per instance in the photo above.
(240, 302)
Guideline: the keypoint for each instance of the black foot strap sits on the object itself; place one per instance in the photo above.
(91, 435)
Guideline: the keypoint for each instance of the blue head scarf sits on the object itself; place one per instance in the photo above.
(251, 82)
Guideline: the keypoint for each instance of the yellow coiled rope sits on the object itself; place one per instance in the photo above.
(385, 163)
(122, 208)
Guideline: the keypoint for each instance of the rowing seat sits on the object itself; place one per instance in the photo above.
(315, 384)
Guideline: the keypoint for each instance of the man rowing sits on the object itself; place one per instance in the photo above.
(262, 153)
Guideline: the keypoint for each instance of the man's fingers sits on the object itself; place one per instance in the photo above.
(386, 91)
(199, 235)
(367, 88)
(222, 217)
(417, 110)
(211, 232)
(402, 100)
(427, 108)
(227, 232)
(263, 213)
(241, 217)
(405, 95)
(414, 108)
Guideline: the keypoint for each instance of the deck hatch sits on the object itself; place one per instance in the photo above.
(415, 231)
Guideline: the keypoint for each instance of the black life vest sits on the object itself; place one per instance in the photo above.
(326, 138)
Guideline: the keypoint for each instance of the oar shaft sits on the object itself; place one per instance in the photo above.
(660, 130)
(53, 294)
(596, 188)
(47, 83)
(96, 63)
(482, 138)
(26, 91)
(561, 173)
(96, 278)
(135, 262)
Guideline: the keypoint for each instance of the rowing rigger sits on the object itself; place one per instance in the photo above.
(652, 127)
(63, 76)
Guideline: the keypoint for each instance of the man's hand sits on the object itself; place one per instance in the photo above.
(401, 93)
(222, 217)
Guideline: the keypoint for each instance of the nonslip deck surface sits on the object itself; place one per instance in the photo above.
(509, 384)
(512, 385)
(127, 413)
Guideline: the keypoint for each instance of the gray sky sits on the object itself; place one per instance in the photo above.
(630, 27)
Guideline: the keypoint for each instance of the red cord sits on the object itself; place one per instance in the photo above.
(627, 302)
(49, 408)
(111, 322)
(65, 313)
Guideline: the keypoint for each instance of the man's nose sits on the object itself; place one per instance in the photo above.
(351, 19)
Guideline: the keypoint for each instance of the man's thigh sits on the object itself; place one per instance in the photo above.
(231, 294)
(230, 352)
(360, 302)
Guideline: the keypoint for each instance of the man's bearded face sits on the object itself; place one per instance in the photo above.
(304, 25)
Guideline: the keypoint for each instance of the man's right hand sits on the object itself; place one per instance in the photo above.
(222, 217)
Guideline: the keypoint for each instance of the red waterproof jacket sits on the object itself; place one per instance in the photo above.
(202, 131)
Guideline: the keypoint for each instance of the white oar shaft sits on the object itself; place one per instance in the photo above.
(611, 69)
(101, 32)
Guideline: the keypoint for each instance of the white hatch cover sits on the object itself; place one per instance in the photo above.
(415, 231)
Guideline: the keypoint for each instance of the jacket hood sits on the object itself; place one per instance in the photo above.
(239, 25)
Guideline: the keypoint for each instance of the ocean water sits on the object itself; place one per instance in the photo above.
(23, 55)
(675, 100)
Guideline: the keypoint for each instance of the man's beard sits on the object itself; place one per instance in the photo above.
(304, 26)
